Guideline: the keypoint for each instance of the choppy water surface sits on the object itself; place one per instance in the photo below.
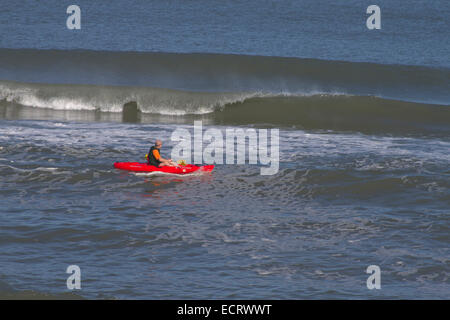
(340, 202)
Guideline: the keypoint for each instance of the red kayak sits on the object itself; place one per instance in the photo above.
(143, 167)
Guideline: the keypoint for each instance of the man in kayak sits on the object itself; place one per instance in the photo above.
(154, 157)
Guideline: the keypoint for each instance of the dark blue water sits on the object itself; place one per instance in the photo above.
(413, 32)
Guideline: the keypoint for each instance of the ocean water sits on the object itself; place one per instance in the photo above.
(364, 136)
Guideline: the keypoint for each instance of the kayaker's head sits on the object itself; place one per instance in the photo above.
(158, 144)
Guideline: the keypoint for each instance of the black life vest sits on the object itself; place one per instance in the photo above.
(151, 158)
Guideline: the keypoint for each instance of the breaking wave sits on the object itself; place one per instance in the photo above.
(225, 88)
(310, 111)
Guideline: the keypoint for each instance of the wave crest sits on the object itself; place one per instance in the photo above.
(311, 110)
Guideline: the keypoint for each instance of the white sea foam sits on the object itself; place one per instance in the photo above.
(113, 98)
